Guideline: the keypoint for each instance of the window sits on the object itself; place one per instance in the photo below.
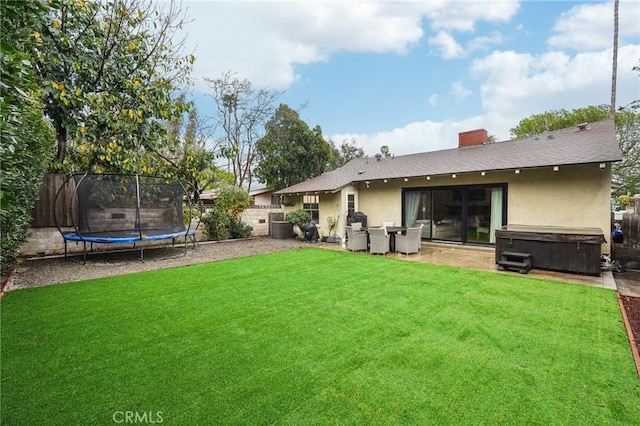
(310, 204)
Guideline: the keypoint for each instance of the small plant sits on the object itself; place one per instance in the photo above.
(331, 222)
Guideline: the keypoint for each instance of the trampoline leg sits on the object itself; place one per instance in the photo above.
(84, 252)
(65, 251)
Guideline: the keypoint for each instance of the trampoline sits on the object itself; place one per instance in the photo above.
(124, 209)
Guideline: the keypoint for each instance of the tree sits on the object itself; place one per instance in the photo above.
(627, 119)
(627, 172)
(240, 115)
(224, 220)
(26, 139)
(340, 156)
(109, 71)
(290, 152)
(184, 153)
(385, 151)
(559, 119)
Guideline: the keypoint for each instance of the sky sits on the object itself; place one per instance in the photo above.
(411, 75)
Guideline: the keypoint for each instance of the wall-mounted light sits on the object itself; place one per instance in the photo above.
(483, 173)
(556, 168)
(406, 179)
(453, 176)
(428, 177)
(517, 171)
(385, 181)
(603, 166)
(367, 183)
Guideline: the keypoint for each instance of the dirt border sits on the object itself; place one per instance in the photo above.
(632, 340)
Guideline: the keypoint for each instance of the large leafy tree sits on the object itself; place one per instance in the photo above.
(290, 152)
(347, 151)
(26, 140)
(241, 111)
(627, 119)
(109, 70)
(558, 119)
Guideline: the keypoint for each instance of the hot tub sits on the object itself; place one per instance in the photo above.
(575, 250)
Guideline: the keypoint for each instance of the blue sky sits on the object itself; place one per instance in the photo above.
(412, 74)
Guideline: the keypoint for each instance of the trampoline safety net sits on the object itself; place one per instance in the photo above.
(118, 209)
(121, 206)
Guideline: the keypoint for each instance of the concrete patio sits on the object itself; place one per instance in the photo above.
(483, 258)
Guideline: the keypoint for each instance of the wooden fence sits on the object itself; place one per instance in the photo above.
(45, 207)
(628, 253)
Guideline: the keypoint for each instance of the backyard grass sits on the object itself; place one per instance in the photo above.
(316, 336)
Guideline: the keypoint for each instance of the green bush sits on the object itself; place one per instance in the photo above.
(22, 168)
(298, 217)
(217, 225)
(239, 229)
(223, 221)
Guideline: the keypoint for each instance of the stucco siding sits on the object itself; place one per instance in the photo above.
(576, 196)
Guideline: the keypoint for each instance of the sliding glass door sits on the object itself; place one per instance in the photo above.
(467, 214)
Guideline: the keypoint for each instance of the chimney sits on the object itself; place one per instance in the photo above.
(472, 137)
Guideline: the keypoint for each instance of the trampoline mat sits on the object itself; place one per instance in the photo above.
(123, 237)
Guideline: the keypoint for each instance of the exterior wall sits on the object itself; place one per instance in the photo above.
(382, 202)
(577, 196)
(258, 218)
(573, 196)
(263, 199)
(48, 242)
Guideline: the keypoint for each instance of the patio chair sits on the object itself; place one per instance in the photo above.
(385, 224)
(356, 241)
(357, 227)
(411, 242)
(378, 241)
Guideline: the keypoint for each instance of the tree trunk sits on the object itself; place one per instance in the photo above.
(61, 138)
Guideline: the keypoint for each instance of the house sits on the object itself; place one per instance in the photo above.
(562, 178)
(263, 196)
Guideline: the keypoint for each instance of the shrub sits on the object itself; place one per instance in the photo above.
(298, 217)
(22, 167)
(239, 229)
(223, 221)
(217, 224)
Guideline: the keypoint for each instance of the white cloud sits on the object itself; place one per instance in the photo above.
(449, 48)
(462, 15)
(262, 41)
(459, 91)
(484, 42)
(446, 45)
(433, 99)
(590, 26)
(416, 137)
(515, 86)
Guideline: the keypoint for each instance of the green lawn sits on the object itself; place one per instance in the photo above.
(316, 336)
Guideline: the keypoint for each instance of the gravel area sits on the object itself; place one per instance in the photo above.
(46, 271)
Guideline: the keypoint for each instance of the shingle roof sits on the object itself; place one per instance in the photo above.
(595, 144)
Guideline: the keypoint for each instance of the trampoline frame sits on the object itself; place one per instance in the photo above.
(138, 234)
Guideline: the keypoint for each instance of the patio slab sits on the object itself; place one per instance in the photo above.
(483, 258)
(628, 283)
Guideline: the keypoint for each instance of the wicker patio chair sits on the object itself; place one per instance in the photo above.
(378, 241)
